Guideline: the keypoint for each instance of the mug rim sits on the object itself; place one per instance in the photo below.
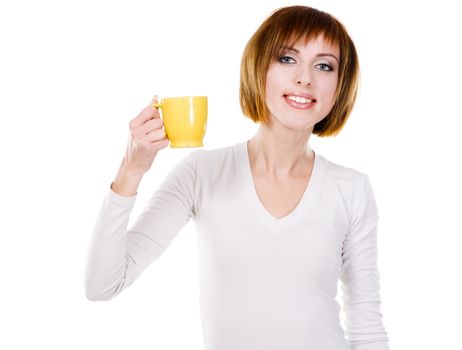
(183, 97)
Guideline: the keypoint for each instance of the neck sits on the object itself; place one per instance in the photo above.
(280, 151)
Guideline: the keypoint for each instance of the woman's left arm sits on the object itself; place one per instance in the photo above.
(360, 275)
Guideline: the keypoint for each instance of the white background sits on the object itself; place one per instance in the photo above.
(72, 75)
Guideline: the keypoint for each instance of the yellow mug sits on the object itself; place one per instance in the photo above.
(185, 120)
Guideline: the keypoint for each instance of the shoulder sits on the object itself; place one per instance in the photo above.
(213, 164)
(343, 174)
(351, 185)
(217, 157)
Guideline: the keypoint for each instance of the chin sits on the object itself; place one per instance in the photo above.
(297, 125)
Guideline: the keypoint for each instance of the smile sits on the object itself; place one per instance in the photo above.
(299, 99)
(299, 102)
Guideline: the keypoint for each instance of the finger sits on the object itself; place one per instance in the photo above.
(148, 126)
(156, 135)
(160, 144)
(155, 103)
(149, 112)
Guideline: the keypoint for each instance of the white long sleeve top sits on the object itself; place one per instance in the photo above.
(266, 283)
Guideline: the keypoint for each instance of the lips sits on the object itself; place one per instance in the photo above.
(300, 101)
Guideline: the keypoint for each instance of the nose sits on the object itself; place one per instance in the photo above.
(303, 77)
(303, 83)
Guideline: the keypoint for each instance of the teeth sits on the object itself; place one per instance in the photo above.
(299, 99)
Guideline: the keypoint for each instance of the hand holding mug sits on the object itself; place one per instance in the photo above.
(146, 138)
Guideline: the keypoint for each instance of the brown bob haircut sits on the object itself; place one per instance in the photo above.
(289, 26)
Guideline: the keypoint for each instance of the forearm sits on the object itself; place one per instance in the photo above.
(127, 181)
(106, 273)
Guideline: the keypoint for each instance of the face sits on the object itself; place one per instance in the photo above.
(301, 84)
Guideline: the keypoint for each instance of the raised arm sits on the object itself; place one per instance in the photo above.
(117, 255)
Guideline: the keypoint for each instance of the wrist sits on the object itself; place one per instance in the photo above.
(127, 182)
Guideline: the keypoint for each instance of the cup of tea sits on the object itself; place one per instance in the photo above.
(185, 120)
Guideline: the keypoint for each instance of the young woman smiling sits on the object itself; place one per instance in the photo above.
(277, 223)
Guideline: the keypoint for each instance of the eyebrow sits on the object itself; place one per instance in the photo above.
(322, 54)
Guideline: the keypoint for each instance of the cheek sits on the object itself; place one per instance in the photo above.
(271, 82)
(272, 89)
(330, 90)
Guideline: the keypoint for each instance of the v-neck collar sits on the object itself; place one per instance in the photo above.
(250, 186)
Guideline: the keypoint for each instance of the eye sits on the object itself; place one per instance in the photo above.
(325, 67)
(286, 60)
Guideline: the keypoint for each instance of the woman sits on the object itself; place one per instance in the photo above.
(277, 223)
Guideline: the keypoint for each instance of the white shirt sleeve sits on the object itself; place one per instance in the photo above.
(116, 255)
(360, 275)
